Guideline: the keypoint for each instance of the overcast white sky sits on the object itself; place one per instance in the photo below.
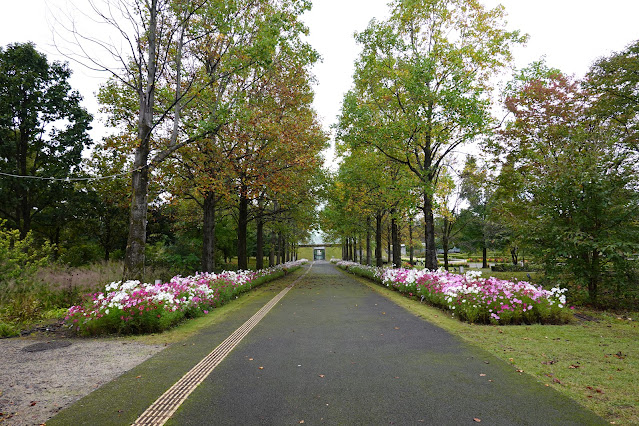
(570, 33)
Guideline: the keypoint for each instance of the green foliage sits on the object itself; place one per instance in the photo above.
(43, 131)
(567, 187)
(509, 267)
(8, 330)
(421, 87)
(614, 84)
(19, 261)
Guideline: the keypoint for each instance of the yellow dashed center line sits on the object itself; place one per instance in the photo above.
(164, 407)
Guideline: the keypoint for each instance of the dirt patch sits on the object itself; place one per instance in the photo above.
(43, 373)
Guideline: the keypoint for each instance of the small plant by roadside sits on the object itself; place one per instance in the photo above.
(471, 298)
(132, 307)
(19, 261)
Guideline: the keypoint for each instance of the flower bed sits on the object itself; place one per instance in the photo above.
(471, 298)
(132, 307)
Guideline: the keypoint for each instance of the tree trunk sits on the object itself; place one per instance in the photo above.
(445, 243)
(24, 208)
(242, 225)
(514, 254)
(279, 248)
(484, 255)
(347, 247)
(259, 257)
(430, 260)
(379, 262)
(397, 249)
(354, 249)
(369, 252)
(134, 258)
(271, 254)
(389, 241)
(208, 233)
(412, 246)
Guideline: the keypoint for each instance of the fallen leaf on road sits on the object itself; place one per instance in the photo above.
(33, 403)
(321, 375)
(476, 420)
(383, 313)
(482, 375)
(250, 359)
(301, 421)
(261, 368)
(396, 328)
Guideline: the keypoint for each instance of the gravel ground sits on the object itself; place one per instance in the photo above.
(41, 375)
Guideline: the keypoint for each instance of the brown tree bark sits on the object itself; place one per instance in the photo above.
(397, 249)
(271, 254)
(134, 258)
(429, 234)
(369, 252)
(379, 261)
(208, 233)
(259, 262)
(242, 225)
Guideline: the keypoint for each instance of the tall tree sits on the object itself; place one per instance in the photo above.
(482, 228)
(43, 130)
(565, 184)
(423, 81)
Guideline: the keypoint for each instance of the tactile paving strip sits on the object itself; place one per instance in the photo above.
(164, 407)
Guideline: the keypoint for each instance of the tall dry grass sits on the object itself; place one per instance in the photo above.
(91, 278)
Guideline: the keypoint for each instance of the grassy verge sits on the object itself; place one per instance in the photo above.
(595, 363)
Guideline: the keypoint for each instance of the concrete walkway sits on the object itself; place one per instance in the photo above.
(332, 351)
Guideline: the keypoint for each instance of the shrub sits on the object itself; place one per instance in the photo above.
(19, 261)
(133, 307)
(8, 330)
(509, 267)
(473, 299)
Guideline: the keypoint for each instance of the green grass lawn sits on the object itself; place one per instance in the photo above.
(593, 362)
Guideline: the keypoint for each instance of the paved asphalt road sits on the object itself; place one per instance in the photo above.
(332, 352)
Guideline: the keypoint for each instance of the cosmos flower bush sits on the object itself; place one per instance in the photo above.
(133, 307)
(472, 298)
